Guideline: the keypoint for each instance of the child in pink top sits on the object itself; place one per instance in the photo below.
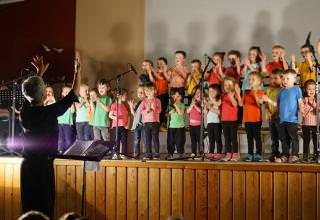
(231, 99)
(150, 110)
(194, 111)
(216, 74)
(309, 119)
(123, 122)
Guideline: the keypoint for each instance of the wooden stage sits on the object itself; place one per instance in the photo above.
(158, 189)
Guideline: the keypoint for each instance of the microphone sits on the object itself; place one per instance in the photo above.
(308, 40)
(131, 68)
(210, 59)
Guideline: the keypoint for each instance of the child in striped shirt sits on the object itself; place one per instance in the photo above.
(309, 120)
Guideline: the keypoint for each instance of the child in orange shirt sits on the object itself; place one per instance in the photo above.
(252, 115)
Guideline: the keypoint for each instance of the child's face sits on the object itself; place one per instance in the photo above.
(288, 80)
(217, 59)
(93, 95)
(311, 90)
(140, 93)
(146, 66)
(228, 86)
(124, 97)
(232, 59)
(161, 64)
(253, 54)
(195, 67)
(254, 81)
(277, 80)
(276, 54)
(65, 91)
(150, 92)
(197, 94)
(177, 97)
(102, 88)
(305, 51)
(49, 91)
(179, 58)
(212, 93)
(84, 91)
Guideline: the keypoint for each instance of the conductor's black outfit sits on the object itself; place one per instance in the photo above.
(40, 142)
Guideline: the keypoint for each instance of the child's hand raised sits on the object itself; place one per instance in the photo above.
(293, 58)
(237, 89)
(263, 57)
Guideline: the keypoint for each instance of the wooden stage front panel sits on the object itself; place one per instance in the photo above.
(158, 189)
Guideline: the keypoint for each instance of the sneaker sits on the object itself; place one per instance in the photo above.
(115, 157)
(258, 158)
(136, 156)
(123, 157)
(294, 159)
(272, 158)
(193, 155)
(210, 155)
(249, 158)
(169, 157)
(217, 156)
(235, 157)
(227, 157)
(282, 159)
(147, 157)
(156, 157)
(314, 158)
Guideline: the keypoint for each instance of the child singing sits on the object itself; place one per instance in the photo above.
(150, 110)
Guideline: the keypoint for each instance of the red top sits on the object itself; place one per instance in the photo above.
(251, 109)
(231, 71)
(213, 78)
(150, 110)
(272, 66)
(195, 117)
(228, 111)
(161, 84)
(123, 114)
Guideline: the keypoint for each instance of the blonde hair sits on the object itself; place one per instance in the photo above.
(228, 78)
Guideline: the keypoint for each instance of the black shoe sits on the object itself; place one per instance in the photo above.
(169, 157)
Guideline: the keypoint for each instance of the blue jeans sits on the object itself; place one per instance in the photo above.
(83, 131)
(66, 137)
(139, 134)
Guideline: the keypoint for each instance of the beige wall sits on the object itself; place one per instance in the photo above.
(109, 34)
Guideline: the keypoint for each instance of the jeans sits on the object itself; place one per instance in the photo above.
(66, 137)
(274, 126)
(122, 138)
(83, 131)
(253, 130)
(230, 135)
(214, 134)
(289, 135)
(139, 134)
(101, 133)
(176, 140)
(306, 139)
(152, 135)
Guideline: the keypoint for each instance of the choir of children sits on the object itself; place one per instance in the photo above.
(267, 88)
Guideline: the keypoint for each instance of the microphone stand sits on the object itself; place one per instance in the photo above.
(116, 148)
(317, 71)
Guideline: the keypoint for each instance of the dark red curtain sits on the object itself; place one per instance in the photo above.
(26, 25)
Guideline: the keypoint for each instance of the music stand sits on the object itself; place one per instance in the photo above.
(87, 151)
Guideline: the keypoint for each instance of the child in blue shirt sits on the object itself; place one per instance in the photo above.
(289, 103)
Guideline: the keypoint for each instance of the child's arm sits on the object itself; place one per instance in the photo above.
(233, 99)
(80, 104)
(112, 112)
(103, 106)
(166, 74)
(238, 95)
(179, 110)
(284, 62)
(301, 106)
(263, 58)
(150, 73)
(190, 108)
(131, 105)
(259, 100)
(238, 65)
(157, 76)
